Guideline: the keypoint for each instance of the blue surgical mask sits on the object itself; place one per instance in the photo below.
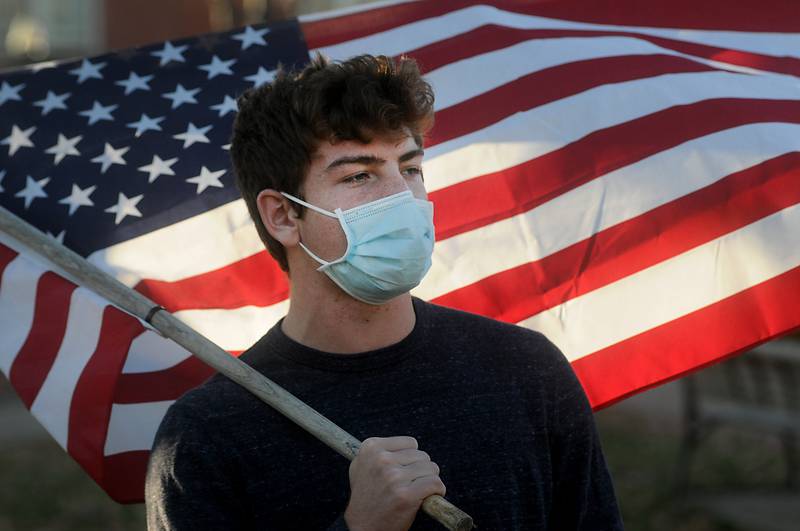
(389, 246)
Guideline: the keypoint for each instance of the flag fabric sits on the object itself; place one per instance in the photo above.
(624, 178)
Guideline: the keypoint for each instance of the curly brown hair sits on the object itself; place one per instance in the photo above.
(280, 125)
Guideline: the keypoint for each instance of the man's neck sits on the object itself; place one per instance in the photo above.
(340, 324)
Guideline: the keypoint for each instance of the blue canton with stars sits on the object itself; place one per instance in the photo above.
(102, 150)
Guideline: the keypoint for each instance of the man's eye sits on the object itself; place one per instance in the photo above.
(357, 178)
(413, 171)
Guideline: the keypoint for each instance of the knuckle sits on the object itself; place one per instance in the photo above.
(369, 445)
(383, 459)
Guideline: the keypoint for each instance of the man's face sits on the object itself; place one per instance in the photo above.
(348, 174)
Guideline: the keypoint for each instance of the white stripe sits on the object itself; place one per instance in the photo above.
(767, 43)
(234, 330)
(470, 77)
(348, 10)
(17, 298)
(153, 352)
(676, 287)
(428, 31)
(182, 249)
(533, 133)
(133, 426)
(602, 203)
(52, 405)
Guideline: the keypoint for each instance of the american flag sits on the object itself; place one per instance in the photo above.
(624, 178)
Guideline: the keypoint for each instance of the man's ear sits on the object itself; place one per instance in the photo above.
(278, 216)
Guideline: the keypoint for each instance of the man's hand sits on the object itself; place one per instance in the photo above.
(389, 478)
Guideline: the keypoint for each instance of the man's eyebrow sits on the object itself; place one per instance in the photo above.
(414, 153)
(370, 160)
(366, 160)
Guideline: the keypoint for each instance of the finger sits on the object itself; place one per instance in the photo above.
(407, 457)
(427, 486)
(420, 469)
(390, 444)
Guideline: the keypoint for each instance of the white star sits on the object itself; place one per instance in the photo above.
(58, 237)
(227, 105)
(206, 178)
(226, 147)
(78, 198)
(52, 101)
(170, 53)
(181, 96)
(64, 147)
(87, 70)
(135, 82)
(146, 123)
(111, 156)
(18, 138)
(217, 67)
(10, 92)
(2, 176)
(250, 36)
(158, 167)
(193, 135)
(33, 190)
(262, 76)
(125, 207)
(99, 112)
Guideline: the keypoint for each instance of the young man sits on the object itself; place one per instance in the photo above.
(328, 161)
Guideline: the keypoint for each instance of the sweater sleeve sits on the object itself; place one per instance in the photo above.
(583, 493)
(188, 486)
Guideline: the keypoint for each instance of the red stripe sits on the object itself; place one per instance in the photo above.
(166, 384)
(256, 280)
(157, 386)
(336, 30)
(673, 228)
(743, 15)
(492, 197)
(124, 475)
(38, 353)
(782, 65)
(725, 328)
(91, 401)
(7, 254)
(550, 85)
(777, 16)
(493, 37)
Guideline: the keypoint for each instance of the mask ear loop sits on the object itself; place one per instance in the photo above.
(337, 214)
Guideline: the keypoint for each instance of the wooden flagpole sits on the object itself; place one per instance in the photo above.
(133, 302)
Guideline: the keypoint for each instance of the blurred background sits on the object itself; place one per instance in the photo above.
(714, 451)
(39, 30)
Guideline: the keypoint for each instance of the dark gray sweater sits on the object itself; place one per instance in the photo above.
(496, 406)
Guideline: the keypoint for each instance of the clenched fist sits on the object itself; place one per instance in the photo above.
(389, 478)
